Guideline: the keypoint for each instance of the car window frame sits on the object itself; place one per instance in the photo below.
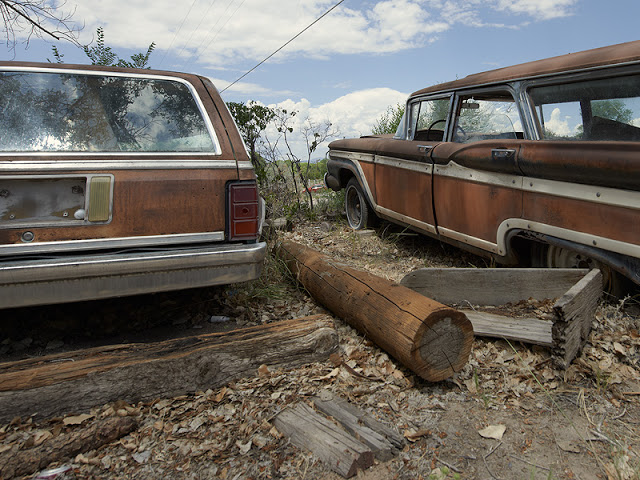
(217, 151)
(502, 88)
(583, 75)
(409, 118)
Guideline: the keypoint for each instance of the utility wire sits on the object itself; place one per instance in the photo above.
(202, 18)
(176, 34)
(284, 45)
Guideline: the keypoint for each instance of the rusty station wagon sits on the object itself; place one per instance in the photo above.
(118, 182)
(536, 164)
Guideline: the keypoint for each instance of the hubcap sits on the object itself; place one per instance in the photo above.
(354, 208)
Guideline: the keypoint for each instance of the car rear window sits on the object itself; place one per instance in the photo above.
(77, 112)
(598, 109)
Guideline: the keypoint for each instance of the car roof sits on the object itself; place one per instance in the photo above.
(623, 53)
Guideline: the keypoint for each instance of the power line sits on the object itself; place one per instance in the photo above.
(177, 31)
(284, 45)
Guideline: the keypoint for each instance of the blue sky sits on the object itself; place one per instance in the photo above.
(350, 66)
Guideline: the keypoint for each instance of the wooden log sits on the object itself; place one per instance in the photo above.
(427, 337)
(332, 445)
(354, 421)
(64, 446)
(76, 381)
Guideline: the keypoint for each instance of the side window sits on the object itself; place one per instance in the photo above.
(429, 119)
(487, 117)
(64, 112)
(601, 109)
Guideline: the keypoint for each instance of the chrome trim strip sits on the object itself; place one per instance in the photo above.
(404, 164)
(245, 165)
(86, 164)
(97, 73)
(110, 243)
(590, 193)
(356, 156)
(570, 235)
(406, 220)
(454, 170)
(473, 241)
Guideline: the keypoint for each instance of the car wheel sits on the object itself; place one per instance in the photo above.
(551, 256)
(359, 213)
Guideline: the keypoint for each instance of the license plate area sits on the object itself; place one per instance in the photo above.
(27, 201)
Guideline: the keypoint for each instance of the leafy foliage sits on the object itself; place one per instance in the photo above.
(101, 54)
(388, 122)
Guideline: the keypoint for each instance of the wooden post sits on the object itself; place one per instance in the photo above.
(427, 337)
(76, 381)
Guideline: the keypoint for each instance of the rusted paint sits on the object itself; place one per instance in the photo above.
(607, 164)
(616, 223)
(405, 191)
(610, 55)
(474, 209)
(151, 202)
(369, 173)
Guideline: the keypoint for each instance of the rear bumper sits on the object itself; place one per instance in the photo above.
(38, 281)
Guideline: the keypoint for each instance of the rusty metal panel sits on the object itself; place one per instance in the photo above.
(150, 202)
(368, 170)
(475, 209)
(610, 55)
(609, 221)
(405, 191)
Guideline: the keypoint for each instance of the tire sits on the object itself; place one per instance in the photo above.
(549, 256)
(359, 212)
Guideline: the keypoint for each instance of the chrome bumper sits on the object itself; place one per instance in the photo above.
(38, 281)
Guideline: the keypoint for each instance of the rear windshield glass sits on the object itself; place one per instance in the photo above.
(65, 112)
(602, 109)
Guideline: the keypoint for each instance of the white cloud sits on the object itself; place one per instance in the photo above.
(220, 34)
(352, 115)
(539, 9)
(559, 124)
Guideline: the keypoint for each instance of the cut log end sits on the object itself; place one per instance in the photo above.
(443, 345)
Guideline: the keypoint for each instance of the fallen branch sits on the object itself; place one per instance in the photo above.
(65, 446)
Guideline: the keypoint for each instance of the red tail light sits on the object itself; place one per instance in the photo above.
(243, 211)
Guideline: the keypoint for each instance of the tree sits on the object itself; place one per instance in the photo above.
(388, 122)
(101, 54)
(252, 119)
(613, 109)
(39, 18)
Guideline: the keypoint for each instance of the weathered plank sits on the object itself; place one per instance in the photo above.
(530, 330)
(332, 445)
(77, 381)
(578, 293)
(575, 313)
(431, 339)
(491, 286)
(351, 418)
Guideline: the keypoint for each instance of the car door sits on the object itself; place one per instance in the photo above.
(403, 168)
(477, 184)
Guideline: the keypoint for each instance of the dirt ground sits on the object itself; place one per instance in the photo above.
(582, 423)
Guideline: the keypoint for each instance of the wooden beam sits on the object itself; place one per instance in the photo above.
(354, 421)
(427, 337)
(491, 286)
(332, 445)
(76, 381)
